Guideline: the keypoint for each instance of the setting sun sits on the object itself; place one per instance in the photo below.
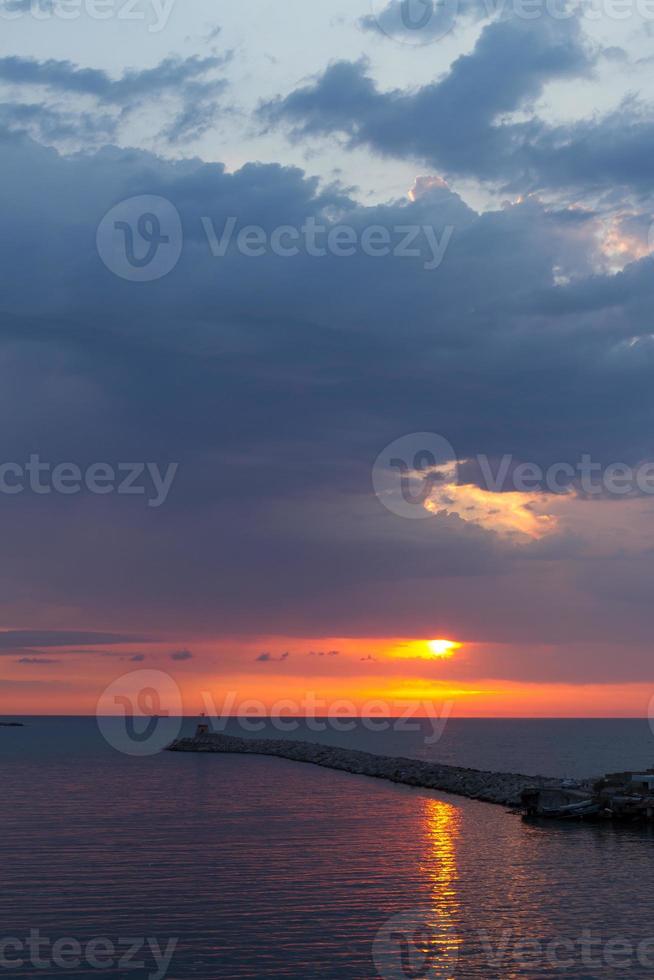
(443, 648)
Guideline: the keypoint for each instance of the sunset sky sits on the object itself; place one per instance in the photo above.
(285, 558)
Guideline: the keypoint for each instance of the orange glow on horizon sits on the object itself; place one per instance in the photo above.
(365, 670)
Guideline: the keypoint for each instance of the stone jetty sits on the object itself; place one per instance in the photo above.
(492, 787)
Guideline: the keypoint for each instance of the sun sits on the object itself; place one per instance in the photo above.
(443, 648)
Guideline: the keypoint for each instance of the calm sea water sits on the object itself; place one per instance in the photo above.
(260, 867)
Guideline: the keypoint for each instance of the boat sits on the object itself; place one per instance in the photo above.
(617, 796)
(562, 802)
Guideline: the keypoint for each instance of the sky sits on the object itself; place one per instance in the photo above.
(327, 333)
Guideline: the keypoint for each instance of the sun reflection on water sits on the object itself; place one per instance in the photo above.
(442, 823)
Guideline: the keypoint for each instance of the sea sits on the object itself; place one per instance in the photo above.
(172, 865)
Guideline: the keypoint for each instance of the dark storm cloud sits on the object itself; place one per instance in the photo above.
(458, 123)
(275, 382)
(450, 122)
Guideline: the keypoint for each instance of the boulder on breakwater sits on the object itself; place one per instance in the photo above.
(492, 787)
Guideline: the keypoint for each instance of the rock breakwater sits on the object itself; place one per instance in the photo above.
(492, 787)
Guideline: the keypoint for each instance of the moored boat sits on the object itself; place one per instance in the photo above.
(616, 796)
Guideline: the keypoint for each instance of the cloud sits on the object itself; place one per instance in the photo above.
(442, 120)
(9, 684)
(13, 640)
(180, 655)
(28, 5)
(190, 82)
(277, 401)
(37, 660)
(275, 382)
(465, 122)
(390, 21)
(134, 84)
(54, 125)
